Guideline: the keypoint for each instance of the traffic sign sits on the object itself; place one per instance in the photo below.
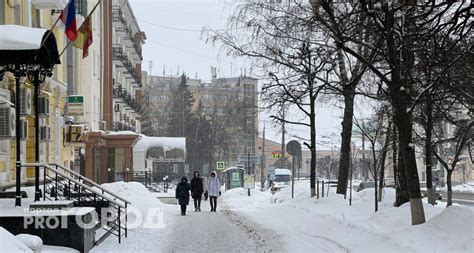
(276, 154)
(221, 165)
(293, 148)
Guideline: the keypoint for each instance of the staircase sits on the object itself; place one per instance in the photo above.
(61, 183)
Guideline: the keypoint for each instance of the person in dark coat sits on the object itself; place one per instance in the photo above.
(182, 194)
(197, 190)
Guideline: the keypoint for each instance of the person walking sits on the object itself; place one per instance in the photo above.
(214, 187)
(197, 190)
(182, 194)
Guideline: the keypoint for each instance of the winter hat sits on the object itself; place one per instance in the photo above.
(184, 179)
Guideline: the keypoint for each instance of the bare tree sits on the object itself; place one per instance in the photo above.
(276, 37)
(463, 135)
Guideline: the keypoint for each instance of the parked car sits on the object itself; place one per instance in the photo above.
(365, 185)
(424, 191)
(282, 179)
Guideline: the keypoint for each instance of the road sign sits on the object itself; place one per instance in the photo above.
(293, 148)
(276, 154)
(221, 165)
(271, 172)
(249, 181)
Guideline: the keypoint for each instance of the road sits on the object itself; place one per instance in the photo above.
(461, 198)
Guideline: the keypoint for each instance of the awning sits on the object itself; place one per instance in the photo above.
(24, 45)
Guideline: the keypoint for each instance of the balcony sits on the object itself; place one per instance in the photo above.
(81, 7)
(125, 96)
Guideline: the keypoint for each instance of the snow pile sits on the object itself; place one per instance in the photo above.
(329, 224)
(14, 37)
(9, 243)
(31, 241)
(140, 238)
(134, 192)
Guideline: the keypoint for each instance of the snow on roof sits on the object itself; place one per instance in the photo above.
(122, 133)
(14, 37)
(167, 143)
(282, 172)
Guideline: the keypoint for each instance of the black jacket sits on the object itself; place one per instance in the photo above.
(182, 192)
(196, 187)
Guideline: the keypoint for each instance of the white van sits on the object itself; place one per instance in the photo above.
(282, 179)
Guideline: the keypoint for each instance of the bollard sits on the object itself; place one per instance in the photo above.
(322, 190)
(317, 188)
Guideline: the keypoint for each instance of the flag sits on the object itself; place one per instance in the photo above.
(68, 17)
(84, 36)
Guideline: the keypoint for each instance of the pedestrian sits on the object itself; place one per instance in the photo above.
(182, 194)
(197, 190)
(213, 190)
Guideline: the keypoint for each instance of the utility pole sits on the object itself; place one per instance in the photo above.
(262, 167)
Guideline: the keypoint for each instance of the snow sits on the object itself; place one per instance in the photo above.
(122, 133)
(9, 243)
(167, 143)
(27, 243)
(331, 225)
(14, 37)
(31, 241)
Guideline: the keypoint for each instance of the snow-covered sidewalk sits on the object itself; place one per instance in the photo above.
(331, 225)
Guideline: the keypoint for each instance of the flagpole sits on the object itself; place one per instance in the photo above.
(69, 41)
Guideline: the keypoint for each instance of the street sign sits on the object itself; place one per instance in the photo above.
(220, 165)
(252, 158)
(293, 148)
(249, 181)
(75, 105)
(276, 154)
(271, 172)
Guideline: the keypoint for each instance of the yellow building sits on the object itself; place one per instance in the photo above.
(33, 13)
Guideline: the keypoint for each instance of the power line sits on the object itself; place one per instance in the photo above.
(185, 29)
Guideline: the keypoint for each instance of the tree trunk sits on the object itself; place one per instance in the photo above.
(450, 189)
(344, 160)
(401, 193)
(428, 151)
(312, 118)
(375, 188)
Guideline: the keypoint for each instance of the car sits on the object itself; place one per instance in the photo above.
(282, 179)
(365, 185)
(424, 190)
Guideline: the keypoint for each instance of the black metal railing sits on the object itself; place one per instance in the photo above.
(60, 183)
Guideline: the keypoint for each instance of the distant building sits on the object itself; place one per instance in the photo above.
(221, 98)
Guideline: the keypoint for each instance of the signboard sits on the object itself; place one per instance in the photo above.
(276, 154)
(271, 172)
(220, 165)
(249, 181)
(75, 105)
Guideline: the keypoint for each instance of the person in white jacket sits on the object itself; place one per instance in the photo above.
(214, 190)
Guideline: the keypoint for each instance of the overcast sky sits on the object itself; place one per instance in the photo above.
(174, 40)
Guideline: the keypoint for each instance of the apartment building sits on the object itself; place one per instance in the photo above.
(221, 98)
(77, 128)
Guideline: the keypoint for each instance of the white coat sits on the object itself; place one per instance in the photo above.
(213, 186)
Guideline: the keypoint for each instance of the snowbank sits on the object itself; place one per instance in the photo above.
(140, 238)
(9, 243)
(27, 243)
(331, 225)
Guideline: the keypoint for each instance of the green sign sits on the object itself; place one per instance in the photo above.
(75, 99)
(75, 105)
(221, 165)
